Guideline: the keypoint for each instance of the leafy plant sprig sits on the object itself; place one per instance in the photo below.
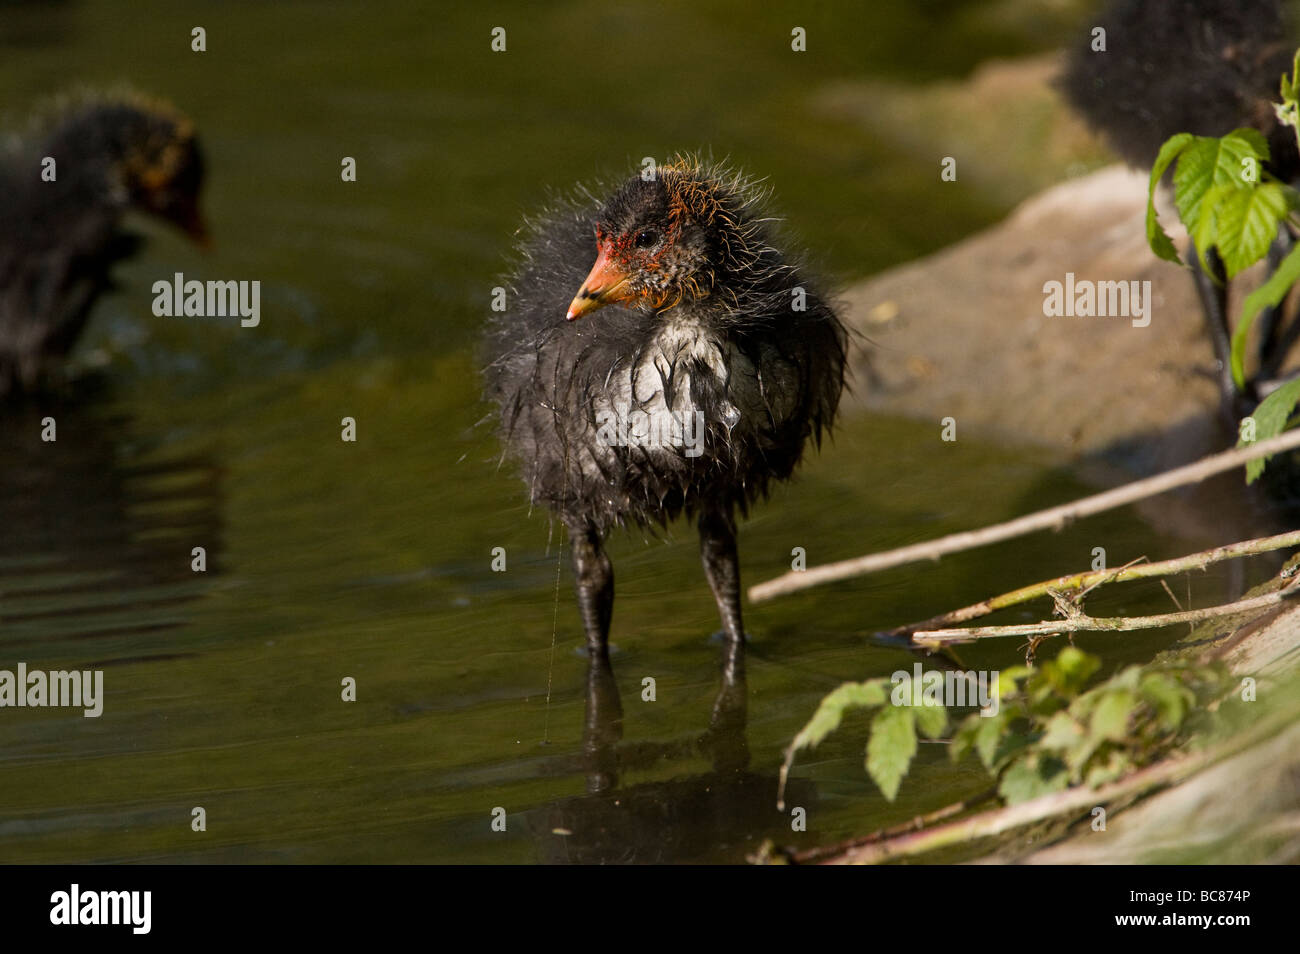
(1229, 202)
(1049, 732)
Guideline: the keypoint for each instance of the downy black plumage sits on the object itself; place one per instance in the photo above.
(1205, 67)
(689, 308)
(59, 239)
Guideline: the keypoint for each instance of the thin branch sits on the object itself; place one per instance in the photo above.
(1077, 621)
(1090, 579)
(920, 823)
(1054, 518)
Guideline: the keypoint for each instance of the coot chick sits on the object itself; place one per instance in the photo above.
(682, 372)
(59, 239)
(1205, 67)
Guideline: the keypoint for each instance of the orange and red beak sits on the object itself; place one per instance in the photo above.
(606, 285)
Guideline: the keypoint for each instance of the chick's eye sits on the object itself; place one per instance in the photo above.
(647, 238)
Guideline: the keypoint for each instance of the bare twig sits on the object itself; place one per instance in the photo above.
(1077, 621)
(1054, 518)
(1088, 580)
(830, 852)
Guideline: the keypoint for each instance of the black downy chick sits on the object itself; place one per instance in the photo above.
(689, 316)
(59, 239)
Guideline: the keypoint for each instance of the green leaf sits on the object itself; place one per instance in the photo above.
(1115, 765)
(1204, 229)
(1209, 162)
(1157, 238)
(987, 735)
(891, 747)
(1036, 774)
(1288, 111)
(1062, 733)
(1126, 678)
(1110, 717)
(851, 695)
(963, 740)
(1009, 680)
(931, 721)
(1270, 420)
(1070, 671)
(1010, 745)
(1167, 696)
(1247, 221)
(1266, 295)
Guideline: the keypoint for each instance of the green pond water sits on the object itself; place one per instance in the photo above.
(371, 560)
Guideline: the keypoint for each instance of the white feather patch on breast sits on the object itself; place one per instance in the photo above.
(650, 405)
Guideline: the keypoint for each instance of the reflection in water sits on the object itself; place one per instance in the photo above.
(665, 821)
(98, 534)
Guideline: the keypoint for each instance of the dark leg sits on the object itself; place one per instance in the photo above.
(1213, 291)
(724, 744)
(722, 567)
(594, 579)
(725, 740)
(603, 727)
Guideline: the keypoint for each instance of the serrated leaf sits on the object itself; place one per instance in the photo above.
(963, 740)
(1246, 223)
(1204, 229)
(931, 721)
(1115, 765)
(1009, 680)
(1265, 296)
(1270, 420)
(851, 695)
(1070, 671)
(1213, 161)
(1157, 238)
(1062, 733)
(1010, 745)
(1111, 715)
(891, 747)
(987, 735)
(1036, 774)
(1166, 695)
(1126, 678)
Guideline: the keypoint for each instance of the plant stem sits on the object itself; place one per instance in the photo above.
(1081, 622)
(1092, 578)
(1054, 518)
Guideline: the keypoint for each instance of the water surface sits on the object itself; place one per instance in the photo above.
(371, 560)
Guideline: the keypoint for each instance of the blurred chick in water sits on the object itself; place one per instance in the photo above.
(60, 221)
